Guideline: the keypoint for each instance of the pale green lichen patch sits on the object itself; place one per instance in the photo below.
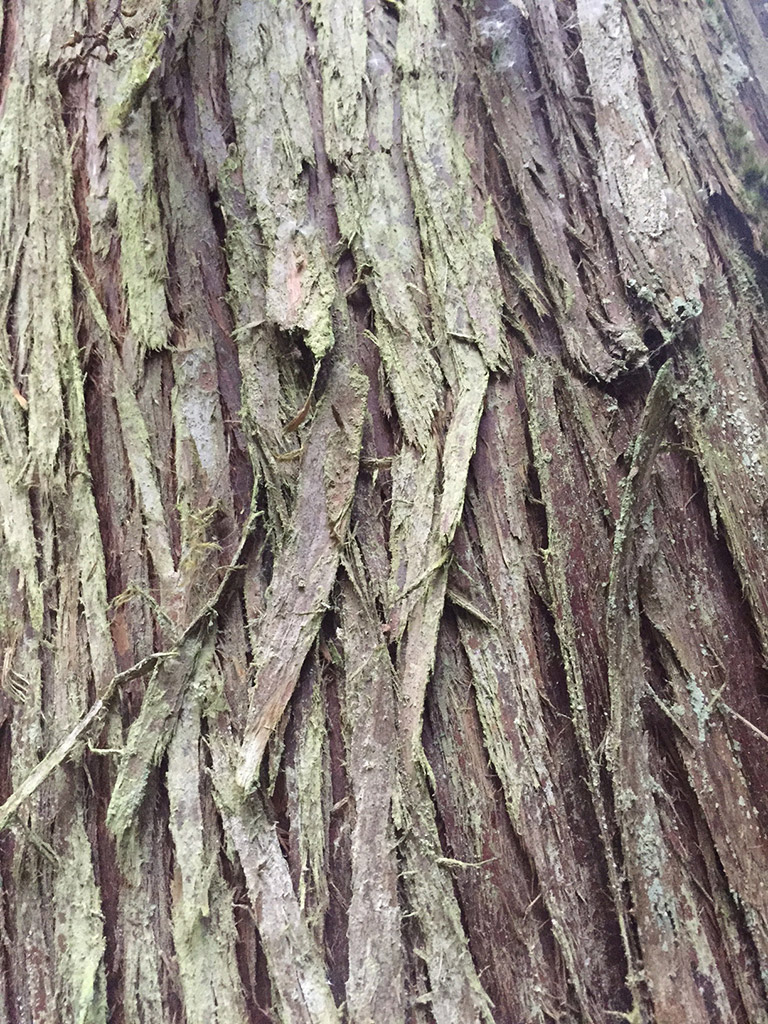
(139, 64)
(80, 933)
(142, 249)
(461, 435)
(459, 264)
(343, 50)
(375, 205)
(376, 217)
(149, 736)
(301, 288)
(650, 219)
(270, 389)
(267, 75)
(203, 925)
(50, 526)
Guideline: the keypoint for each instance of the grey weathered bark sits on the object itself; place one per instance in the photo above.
(382, 478)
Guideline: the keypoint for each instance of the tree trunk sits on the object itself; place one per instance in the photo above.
(383, 489)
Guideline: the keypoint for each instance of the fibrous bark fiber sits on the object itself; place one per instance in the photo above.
(384, 563)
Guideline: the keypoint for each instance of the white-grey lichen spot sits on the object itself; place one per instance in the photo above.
(200, 409)
(501, 31)
(699, 706)
(735, 72)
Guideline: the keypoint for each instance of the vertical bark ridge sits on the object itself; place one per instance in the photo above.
(397, 371)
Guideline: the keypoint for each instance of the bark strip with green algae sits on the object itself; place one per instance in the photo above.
(189, 643)
(514, 734)
(71, 742)
(142, 245)
(459, 265)
(726, 427)
(659, 249)
(702, 637)
(423, 521)
(622, 602)
(577, 537)
(526, 746)
(486, 856)
(455, 987)
(270, 389)
(53, 528)
(308, 564)
(203, 924)
(536, 105)
(416, 158)
(150, 735)
(268, 87)
(135, 437)
(376, 986)
(676, 949)
(295, 961)
(376, 212)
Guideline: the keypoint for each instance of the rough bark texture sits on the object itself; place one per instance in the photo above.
(384, 573)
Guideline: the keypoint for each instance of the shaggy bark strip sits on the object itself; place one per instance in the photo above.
(664, 905)
(376, 986)
(304, 574)
(295, 961)
(577, 607)
(383, 478)
(203, 924)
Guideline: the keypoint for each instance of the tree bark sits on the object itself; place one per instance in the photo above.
(384, 576)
